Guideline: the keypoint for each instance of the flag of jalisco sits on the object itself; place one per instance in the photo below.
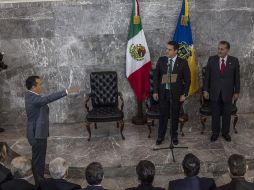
(138, 62)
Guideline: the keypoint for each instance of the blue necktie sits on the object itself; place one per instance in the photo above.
(170, 62)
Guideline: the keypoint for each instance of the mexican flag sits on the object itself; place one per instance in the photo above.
(138, 62)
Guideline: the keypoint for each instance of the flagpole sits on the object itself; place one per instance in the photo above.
(139, 119)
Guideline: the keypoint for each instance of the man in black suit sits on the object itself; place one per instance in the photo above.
(222, 86)
(167, 65)
(37, 112)
(58, 169)
(94, 176)
(237, 169)
(191, 167)
(146, 172)
(21, 169)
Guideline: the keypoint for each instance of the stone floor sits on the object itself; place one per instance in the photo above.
(119, 157)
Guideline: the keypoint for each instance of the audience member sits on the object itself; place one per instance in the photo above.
(94, 176)
(58, 169)
(5, 173)
(146, 172)
(21, 169)
(237, 168)
(191, 167)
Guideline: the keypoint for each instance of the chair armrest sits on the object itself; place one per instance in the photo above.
(87, 98)
(121, 98)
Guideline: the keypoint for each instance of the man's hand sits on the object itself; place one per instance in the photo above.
(156, 96)
(73, 90)
(182, 98)
(235, 96)
(206, 95)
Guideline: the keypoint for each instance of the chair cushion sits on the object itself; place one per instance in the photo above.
(104, 114)
(205, 109)
(153, 112)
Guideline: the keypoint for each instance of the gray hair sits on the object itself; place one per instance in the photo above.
(20, 167)
(58, 168)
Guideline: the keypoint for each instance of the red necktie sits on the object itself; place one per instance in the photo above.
(222, 67)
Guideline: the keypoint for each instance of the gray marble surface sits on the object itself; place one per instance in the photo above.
(64, 41)
(119, 157)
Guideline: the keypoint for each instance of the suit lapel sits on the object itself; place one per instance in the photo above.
(217, 64)
(175, 66)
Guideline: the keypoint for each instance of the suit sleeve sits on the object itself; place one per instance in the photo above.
(237, 77)
(40, 101)
(156, 78)
(186, 77)
(206, 85)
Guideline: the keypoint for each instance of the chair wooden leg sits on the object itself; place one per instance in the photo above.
(149, 124)
(203, 121)
(89, 131)
(95, 125)
(234, 123)
(121, 129)
(181, 128)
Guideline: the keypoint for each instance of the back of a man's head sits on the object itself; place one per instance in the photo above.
(21, 167)
(58, 168)
(191, 165)
(145, 171)
(94, 173)
(237, 165)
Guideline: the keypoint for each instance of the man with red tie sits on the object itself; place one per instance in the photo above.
(222, 86)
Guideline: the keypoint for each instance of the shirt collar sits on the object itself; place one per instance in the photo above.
(225, 59)
(174, 59)
(33, 92)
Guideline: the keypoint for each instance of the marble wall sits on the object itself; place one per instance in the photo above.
(64, 41)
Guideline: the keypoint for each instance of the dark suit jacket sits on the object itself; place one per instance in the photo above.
(58, 184)
(192, 183)
(92, 187)
(227, 84)
(38, 114)
(237, 184)
(5, 174)
(181, 68)
(17, 184)
(145, 187)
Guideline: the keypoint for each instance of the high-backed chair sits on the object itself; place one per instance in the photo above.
(104, 98)
(205, 109)
(153, 110)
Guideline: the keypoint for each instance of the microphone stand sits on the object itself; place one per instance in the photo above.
(171, 145)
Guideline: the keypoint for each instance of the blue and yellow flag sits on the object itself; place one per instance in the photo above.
(183, 36)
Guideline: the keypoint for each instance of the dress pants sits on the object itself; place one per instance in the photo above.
(164, 103)
(221, 108)
(38, 159)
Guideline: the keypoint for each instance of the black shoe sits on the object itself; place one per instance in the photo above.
(175, 141)
(227, 137)
(158, 141)
(214, 137)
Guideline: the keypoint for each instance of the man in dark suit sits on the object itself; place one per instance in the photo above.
(191, 167)
(21, 169)
(58, 169)
(222, 86)
(146, 172)
(167, 65)
(94, 176)
(37, 112)
(237, 169)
